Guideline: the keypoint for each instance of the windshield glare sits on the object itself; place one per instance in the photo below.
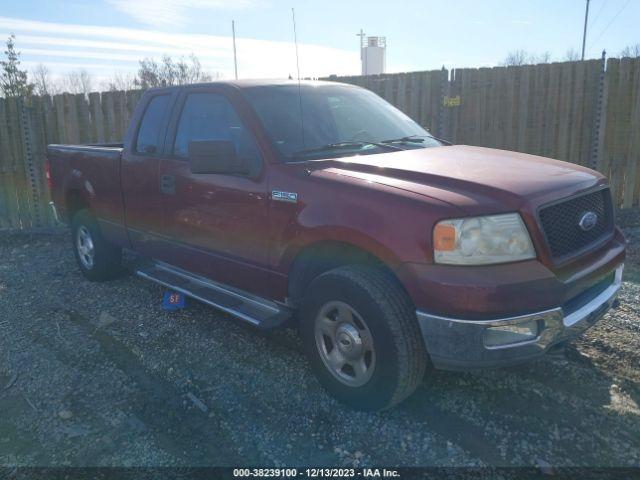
(330, 114)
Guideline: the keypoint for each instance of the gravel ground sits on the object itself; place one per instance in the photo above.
(97, 374)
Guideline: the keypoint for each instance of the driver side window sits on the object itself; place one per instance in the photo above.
(210, 116)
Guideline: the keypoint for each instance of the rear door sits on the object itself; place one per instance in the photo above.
(218, 223)
(140, 177)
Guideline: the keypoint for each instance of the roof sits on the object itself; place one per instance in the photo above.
(258, 83)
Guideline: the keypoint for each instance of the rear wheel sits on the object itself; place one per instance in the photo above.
(98, 259)
(362, 337)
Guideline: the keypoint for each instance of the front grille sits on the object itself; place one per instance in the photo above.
(561, 223)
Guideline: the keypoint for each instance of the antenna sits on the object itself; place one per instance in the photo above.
(295, 40)
(235, 58)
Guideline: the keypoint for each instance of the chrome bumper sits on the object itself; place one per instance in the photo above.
(456, 343)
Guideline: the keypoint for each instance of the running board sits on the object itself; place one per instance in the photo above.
(260, 312)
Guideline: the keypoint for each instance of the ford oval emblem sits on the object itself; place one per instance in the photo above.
(588, 221)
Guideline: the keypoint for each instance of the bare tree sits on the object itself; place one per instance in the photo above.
(77, 81)
(148, 74)
(120, 81)
(516, 58)
(572, 55)
(544, 57)
(169, 72)
(42, 81)
(632, 51)
(522, 57)
(191, 72)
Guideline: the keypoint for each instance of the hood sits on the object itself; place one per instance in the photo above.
(472, 178)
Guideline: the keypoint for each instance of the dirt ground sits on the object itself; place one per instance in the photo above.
(98, 374)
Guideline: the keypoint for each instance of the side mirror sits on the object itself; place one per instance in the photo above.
(215, 156)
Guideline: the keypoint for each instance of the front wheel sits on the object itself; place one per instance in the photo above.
(97, 258)
(362, 337)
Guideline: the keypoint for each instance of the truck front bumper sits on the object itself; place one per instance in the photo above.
(460, 344)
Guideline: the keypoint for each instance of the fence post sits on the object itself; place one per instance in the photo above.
(29, 164)
(599, 115)
(444, 84)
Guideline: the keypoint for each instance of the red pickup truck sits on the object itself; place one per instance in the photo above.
(321, 205)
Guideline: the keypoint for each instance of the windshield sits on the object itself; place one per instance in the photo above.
(336, 120)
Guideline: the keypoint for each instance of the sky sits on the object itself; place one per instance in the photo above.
(109, 36)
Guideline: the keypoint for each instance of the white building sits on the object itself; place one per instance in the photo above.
(373, 54)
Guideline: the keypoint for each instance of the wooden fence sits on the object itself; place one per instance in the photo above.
(574, 111)
(28, 126)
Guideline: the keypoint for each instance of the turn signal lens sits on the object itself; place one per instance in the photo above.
(444, 238)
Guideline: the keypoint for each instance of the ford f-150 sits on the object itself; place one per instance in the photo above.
(320, 205)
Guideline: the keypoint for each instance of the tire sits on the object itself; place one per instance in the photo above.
(98, 259)
(381, 322)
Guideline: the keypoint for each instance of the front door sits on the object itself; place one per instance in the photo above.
(217, 223)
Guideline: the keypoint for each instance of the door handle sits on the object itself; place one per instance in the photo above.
(168, 184)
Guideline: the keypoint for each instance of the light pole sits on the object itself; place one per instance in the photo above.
(235, 57)
(362, 66)
(584, 34)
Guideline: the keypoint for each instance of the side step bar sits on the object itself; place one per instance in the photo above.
(260, 312)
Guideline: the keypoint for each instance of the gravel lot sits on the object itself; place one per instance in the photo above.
(99, 375)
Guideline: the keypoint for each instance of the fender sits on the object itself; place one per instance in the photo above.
(76, 186)
(338, 234)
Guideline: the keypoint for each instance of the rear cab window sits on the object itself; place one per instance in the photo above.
(148, 141)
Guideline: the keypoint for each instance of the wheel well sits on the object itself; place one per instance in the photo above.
(74, 202)
(316, 259)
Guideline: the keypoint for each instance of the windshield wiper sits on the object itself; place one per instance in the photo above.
(414, 139)
(344, 146)
(407, 139)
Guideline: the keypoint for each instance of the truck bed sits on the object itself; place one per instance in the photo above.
(90, 172)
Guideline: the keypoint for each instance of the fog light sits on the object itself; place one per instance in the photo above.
(510, 334)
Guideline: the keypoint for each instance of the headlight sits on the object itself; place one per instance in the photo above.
(482, 240)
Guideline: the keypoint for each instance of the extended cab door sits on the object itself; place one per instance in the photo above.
(218, 223)
(140, 176)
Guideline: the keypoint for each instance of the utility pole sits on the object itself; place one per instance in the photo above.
(584, 34)
(361, 35)
(235, 58)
